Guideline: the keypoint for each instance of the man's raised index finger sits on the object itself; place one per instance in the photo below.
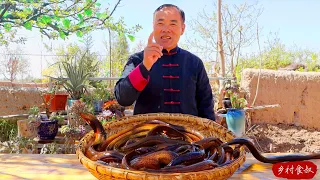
(150, 38)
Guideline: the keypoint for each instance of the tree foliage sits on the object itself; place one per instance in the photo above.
(56, 18)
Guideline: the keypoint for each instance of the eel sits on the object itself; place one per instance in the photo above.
(170, 132)
(209, 142)
(112, 156)
(200, 166)
(146, 126)
(271, 159)
(94, 155)
(99, 132)
(188, 158)
(153, 160)
(228, 155)
(118, 143)
(151, 141)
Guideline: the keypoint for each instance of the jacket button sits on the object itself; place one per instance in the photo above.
(158, 107)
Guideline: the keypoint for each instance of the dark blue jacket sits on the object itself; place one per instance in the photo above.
(176, 83)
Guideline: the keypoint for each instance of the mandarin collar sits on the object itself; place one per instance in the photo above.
(172, 51)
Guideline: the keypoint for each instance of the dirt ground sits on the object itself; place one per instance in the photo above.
(285, 138)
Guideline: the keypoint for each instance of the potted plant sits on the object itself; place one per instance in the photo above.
(48, 127)
(77, 75)
(53, 100)
(74, 133)
(100, 95)
(75, 82)
(235, 116)
(96, 97)
(74, 118)
(76, 126)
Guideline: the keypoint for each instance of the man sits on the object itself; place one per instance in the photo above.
(164, 77)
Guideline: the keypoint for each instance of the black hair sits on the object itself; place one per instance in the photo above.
(171, 5)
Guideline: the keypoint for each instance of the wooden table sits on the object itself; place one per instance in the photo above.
(62, 166)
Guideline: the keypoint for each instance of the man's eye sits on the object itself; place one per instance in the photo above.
(172, 24)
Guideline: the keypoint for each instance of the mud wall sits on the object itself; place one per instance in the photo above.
(297, 93)
(18, 100)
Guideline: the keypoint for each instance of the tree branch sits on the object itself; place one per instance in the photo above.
(239, 18)
(113, 10)
(78, 10)
(4, 11)
(8, 21)
(103, 22)
(74, 3)
(18, 16)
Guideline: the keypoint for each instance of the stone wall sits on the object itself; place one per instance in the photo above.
(297, 93)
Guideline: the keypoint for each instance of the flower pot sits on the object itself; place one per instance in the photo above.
(48, 129)
(58, 101)
(236, 121)
(98, 105)
(71, 101)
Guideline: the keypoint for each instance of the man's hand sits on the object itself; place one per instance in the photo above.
(152, 53)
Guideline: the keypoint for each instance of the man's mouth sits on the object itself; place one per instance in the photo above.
(165, 37)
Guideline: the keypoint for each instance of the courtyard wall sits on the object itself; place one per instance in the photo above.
(297, 93)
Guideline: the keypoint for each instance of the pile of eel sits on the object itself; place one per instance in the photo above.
(157, 146)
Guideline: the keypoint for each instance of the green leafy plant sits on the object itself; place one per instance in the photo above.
(8, 129)
(34, 118)
(54, 116)
(100, 92)
(88, 100)
(236, 101)
(67, 129)
(33, 112)
(313, 63)
(50, 148)
(77, 76)
(73, 133)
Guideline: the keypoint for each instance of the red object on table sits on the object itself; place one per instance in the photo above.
(295, 170)
(58, 101)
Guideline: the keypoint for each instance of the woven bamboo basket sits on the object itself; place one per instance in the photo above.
(204, 126)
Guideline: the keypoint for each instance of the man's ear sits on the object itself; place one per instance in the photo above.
(183, 28)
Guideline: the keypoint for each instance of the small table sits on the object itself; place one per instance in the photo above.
(67, 166)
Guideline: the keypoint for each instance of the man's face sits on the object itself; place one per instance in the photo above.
(168, 27)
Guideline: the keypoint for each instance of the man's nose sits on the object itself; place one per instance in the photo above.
(165, 28)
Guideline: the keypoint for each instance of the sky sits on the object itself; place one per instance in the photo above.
(297, 23)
